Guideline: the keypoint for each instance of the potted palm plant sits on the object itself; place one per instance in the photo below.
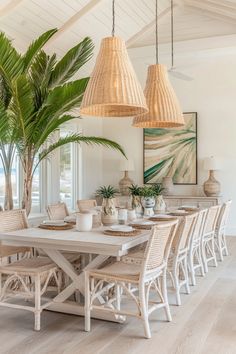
(148, 200)
(135, 192)
(109, 212)
(160, 204)
(36, 98)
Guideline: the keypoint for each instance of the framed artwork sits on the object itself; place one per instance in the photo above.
(171, 152)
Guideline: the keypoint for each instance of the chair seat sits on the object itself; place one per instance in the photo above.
(134, 257)
(118, 271)
(7, 251)
(30, 266)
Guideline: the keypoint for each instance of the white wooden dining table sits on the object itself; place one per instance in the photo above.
(54, 243)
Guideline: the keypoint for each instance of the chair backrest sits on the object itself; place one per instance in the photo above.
(211, 219)
(12, 220)
(184, 233)
(199, 225)
(158, 246)
(1, 209)
(86, 204)
(223, 216)
(57, 211)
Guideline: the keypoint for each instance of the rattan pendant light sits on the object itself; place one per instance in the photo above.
(163, 105)
(113, 89)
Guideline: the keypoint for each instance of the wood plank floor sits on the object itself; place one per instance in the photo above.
(205, 323)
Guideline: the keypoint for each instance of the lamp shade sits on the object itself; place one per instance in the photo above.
(211, 163)
(163, 105)
(113, 89)
(126, 165)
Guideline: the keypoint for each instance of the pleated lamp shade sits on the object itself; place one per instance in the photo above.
(164, 108)
(113, 89)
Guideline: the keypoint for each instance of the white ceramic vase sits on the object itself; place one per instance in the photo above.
(167, 184)
(148, 204)
(109, 214)
(160, 205)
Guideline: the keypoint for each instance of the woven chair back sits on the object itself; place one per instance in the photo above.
(158, 246)
(12, 220)
(86, 204)
(223, 215)
(211, 219)
(57, 211)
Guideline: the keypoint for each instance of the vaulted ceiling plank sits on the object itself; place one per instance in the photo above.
(4, 10)
(73, 19)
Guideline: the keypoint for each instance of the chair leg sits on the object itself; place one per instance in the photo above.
(175, 278)
(37, 311)
(187, 288)
(225, 245)
(213, 252)
(87, 306)
(191, 268)
(144, 313)
(205, 266)
(165, 297)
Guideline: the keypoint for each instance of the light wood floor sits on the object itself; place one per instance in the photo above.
(205, 323)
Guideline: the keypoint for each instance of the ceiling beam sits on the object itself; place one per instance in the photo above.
(4, 10)
(225, 10)
(72, 20)
(133, 40)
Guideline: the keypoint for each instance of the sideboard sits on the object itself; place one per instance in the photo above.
(201, 202)
(175, 201)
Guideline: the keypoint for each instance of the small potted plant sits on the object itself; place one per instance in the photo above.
(109, 214)
(160, 204)
(148, 200)
(135, 192)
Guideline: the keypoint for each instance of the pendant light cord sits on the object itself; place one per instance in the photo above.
(172, 33)
(157, 49)
(113, 18)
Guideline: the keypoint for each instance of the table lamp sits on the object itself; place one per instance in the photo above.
(126, 182)
(211, 187)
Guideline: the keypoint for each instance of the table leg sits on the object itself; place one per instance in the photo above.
(60, 302)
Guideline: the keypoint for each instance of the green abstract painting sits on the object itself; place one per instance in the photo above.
(172, 152)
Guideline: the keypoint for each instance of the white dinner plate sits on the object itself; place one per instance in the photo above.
(122, 228)
(54, 222)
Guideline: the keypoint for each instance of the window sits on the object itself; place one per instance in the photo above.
(53, 181)
(66, 173)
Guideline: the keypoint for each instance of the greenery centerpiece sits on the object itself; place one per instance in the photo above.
(37, 96)
(160, 204)
(109, 212)
(148, 195)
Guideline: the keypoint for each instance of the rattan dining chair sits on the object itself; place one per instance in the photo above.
(221, 224)
(10, 253)
(195, 262)
(57, 211)
(145, 275)
(86, 204)
(27, 278)
(208, 238)
(178, 259)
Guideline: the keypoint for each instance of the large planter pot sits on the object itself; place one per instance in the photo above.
(148, 204)
(109, 214)
(160, 205)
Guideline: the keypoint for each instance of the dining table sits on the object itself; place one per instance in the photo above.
(55, 243)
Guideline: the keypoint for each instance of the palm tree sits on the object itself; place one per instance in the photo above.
(35, 100)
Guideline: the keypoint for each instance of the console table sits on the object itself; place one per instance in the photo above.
(175, 201)
(200, 202)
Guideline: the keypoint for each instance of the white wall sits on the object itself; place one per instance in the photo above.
(212, 94)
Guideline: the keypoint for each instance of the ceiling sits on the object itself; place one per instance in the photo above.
(24, 20)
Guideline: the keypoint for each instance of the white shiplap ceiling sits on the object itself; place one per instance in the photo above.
(24, 20)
